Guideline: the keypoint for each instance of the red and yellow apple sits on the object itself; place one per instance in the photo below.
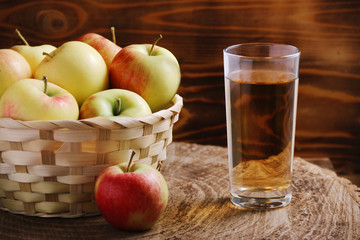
(114, 102)
(151, 71)
(33, 99)
(76, 67)
(131, 198)
(13, 67)
(104, 46)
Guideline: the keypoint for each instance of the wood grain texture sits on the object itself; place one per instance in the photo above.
(326, 31)
(324, 206)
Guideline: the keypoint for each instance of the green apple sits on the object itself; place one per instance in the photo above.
(33, 99)
(151, 71)
(114, 102)
(33, 54)
(13, 67)
(76, 67)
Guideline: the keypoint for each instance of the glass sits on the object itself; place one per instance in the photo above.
(261, 87)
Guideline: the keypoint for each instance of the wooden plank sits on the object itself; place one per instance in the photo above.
(326, 31)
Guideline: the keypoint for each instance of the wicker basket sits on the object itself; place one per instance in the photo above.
(48, 168)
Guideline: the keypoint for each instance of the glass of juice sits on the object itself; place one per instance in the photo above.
(261, 87)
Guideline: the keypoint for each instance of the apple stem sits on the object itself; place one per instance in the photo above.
(21, 37)
(45, 84)
(158, 167)
(130, 161)
(118, 106)
(153, 45)
(113, 34)
(47, 54)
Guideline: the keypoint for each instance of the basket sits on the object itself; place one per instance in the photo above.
(48, 168)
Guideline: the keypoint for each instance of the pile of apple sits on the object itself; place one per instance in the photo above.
(88, 77)
(91, 77)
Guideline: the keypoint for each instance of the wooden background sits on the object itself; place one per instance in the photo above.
(196, 31)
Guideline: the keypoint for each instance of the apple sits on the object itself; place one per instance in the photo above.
(114, 102)
(104, 46)
(131, 197)
(76, 67)
(33, 99)
(13, 67)
(152, 72)
(33, 54)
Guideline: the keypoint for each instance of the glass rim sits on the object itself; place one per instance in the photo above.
(292, 55)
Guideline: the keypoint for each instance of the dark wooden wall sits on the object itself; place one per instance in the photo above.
(196, 31)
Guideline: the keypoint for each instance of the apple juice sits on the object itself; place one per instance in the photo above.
(261, 112)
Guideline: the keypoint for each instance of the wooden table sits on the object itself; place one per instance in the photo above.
(324, 206)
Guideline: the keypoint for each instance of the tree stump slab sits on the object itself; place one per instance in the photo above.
(324, 206)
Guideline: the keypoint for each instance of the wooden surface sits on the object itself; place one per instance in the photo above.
(324, 206)
(326, 31)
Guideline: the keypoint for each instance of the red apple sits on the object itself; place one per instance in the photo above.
(131, 198)
(151, 71)
(104, 46)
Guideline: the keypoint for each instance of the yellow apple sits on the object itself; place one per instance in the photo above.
(33, 54)
(76, 67)
(33, 99)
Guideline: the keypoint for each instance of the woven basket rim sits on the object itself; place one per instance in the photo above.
(91, 122)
